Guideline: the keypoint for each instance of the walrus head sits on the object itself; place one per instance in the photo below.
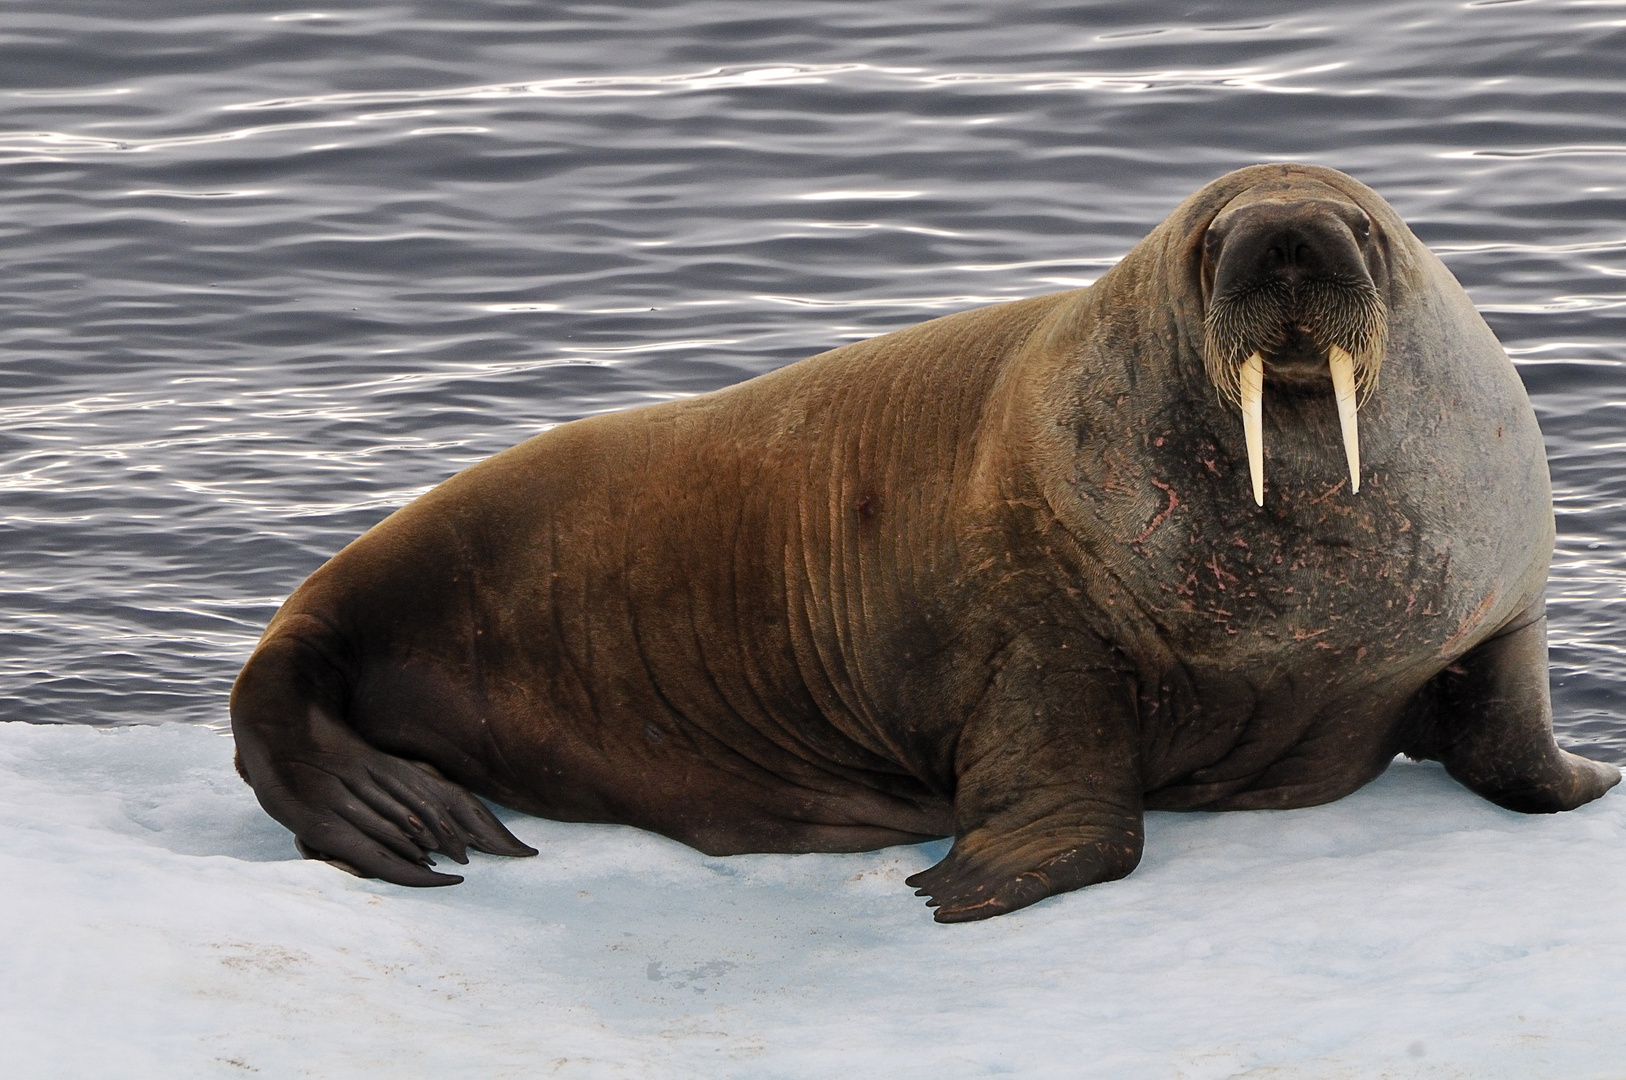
(1288, 280)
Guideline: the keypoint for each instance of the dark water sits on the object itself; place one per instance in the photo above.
(268, 276)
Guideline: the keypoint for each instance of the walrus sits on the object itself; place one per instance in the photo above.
(1262, 508)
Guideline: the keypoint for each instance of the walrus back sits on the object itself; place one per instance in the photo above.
(574, 608)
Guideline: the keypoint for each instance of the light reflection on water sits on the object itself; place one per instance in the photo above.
(268, 277)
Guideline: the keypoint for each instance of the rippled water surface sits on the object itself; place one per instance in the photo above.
(269, 275)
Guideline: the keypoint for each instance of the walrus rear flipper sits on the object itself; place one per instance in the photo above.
(1492, 727)
(345, 801)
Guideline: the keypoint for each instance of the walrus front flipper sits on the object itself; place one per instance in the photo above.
(345, 801)
(1492, 727)
(1049, 792)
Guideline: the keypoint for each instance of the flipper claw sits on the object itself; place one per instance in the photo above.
(370, 813)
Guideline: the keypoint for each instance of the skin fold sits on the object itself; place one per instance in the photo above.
(1001, 576)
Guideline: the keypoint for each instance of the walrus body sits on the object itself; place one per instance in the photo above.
(998, 576)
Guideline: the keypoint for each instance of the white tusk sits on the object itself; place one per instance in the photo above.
(1343, 387)
(1253, 423)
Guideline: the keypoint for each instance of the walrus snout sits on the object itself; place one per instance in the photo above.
(1290, 243)
(1288, 283)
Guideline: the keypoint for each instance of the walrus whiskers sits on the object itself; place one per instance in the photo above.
(1241, 323)
(1348, 314)
(1344, 318)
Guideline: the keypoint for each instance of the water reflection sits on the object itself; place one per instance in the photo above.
(269, 276)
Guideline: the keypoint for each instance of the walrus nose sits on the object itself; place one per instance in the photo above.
(1308, 243)
(1292, 258)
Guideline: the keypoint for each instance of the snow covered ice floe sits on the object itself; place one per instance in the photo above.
(156, 924)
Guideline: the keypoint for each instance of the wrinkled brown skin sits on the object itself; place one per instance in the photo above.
(998, 576)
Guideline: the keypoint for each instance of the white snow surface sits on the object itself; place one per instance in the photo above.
(157, 924)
